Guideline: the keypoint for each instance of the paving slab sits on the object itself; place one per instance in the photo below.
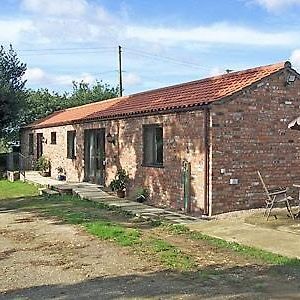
(93, 192)
(236, 230)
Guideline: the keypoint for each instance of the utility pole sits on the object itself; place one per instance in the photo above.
(120, 71)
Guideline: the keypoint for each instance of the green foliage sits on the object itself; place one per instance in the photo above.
(142, 194)
(119, 183)
(39, 104)
(42, 102)
(83, 93)
(11, 89)
(43, 164)
(4, 148)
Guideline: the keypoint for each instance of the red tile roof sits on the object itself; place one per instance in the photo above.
(186, 95)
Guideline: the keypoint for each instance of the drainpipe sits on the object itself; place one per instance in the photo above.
(206, 159)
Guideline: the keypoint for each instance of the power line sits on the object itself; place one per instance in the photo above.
(66, 49)
(166, 58)
(55, 81)
(64, 53)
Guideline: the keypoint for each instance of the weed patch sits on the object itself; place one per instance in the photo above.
(114, 232)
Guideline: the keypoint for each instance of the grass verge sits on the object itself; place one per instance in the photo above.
(96, 219)
(266, 256)
(17, 189)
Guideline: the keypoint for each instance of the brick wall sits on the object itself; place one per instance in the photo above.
(183, 139)
(250, 133)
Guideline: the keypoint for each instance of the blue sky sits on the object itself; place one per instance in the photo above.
(164, 42)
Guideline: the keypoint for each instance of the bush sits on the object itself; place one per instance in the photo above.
(120, 182)
(43, 164)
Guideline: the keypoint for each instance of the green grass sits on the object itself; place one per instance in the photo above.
(113, 232)
(95, 219)
(263, 255)
(17, 189)
(171, 256)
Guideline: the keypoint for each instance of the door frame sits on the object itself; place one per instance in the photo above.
(94, 138)
(39, 145)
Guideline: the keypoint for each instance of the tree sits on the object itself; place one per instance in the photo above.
(11, 89)
(39, 104)
(83, 93)
(42, 102)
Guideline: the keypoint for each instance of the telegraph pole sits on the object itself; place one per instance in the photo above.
(120, 71)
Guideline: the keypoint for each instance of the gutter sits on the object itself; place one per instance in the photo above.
(206, 128)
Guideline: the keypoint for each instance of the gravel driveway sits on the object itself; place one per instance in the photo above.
(43, 258)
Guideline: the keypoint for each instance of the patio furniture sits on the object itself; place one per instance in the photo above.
(276, 196)
(297, 215)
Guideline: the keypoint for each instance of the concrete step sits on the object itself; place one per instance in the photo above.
(63, 189)
(48, 192)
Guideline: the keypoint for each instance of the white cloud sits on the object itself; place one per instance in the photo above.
(12, 30)
(130, 79)
(37, 76)
(295, 59)
(56, 7)
(276, 5)
(222, 33)
(216, 71)
(71, 21)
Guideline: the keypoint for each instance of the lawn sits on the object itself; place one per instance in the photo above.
(17, 189)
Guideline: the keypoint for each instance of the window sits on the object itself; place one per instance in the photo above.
(53, 138)
(153, 145)
(30, 144)
(71, 144)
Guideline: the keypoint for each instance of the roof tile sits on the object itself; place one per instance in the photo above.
(188, 94)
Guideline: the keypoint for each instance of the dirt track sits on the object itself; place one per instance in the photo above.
(42, 258)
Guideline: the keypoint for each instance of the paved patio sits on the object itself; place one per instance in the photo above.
(279, 241)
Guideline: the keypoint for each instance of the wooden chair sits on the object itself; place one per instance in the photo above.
(274, 197)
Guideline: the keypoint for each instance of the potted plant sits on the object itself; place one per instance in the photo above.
(120, 182)
(43, 165)
(142, 194)
(61, 173)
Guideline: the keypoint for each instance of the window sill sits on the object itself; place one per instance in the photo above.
(74, 157)
(153, 166)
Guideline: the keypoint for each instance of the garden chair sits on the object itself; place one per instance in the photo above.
(276, 196)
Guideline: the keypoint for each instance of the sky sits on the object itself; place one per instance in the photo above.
(163, 42)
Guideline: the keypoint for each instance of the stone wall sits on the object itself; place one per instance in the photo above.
(251, 133)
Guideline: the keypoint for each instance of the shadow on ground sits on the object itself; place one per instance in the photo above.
(215, 281)
(159, 285)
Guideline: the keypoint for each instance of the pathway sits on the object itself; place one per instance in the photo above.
(94, 193)
(236, 230)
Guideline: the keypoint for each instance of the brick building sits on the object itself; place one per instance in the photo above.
(195, 146)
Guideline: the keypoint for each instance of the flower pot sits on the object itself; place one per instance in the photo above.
(45, 173)
(121, 194)
(61, 177)
(141, 199)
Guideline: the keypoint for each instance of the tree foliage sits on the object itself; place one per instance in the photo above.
(11, 88)
(19, 107)
(42, 102)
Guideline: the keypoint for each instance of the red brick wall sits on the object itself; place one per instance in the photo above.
(250, 133)
(183, 139)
